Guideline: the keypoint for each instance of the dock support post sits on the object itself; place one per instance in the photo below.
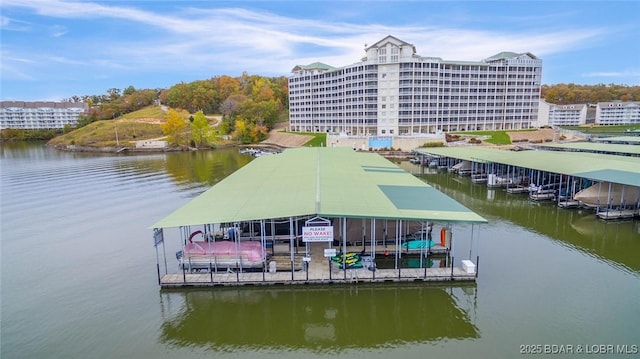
(291, 244)
(426, 258)
(452, 265)
(344, 247)
(477, 265)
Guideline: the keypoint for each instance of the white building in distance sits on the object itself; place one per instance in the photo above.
(40, 115)
(393, 91)
(618, 113)
(561, 115)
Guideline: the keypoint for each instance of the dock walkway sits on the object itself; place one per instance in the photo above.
(316, 275)
(320, 271)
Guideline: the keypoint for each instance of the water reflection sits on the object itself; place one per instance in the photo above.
(317, 318)
(208, 167)
(614, 241)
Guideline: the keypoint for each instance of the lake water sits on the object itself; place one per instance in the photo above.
(79, 275)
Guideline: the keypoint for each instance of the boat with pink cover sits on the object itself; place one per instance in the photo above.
(222, 254)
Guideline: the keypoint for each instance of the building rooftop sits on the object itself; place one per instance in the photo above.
(314, 66)
(42, 104)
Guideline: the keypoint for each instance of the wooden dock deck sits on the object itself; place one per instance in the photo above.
(320, 271)
(349, 276)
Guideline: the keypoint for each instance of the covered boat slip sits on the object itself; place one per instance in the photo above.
(614, 181)
(592, 147)
(318, 215)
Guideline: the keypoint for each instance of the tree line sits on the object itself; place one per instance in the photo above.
(564, 94)
(250, 105)
(114, 103)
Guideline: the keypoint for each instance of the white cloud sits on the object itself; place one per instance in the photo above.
(13, 72)
(9, 24)
(271, 37)
(58, 30)
(230, 40)
(626, 73)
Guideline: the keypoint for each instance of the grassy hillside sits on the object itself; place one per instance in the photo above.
(603, 129)
(497, 137)
(103, 134)
(148, 112)
(138, 125)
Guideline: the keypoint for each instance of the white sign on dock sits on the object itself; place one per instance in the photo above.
(317, 234)
(330, 252)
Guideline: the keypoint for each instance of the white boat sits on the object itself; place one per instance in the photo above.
(479, 178)
(495, 181)
(461, 167)
(416, 160)
(603, 194)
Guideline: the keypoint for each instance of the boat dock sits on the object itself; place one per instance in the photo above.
(599, 176)
(435, 266)
(316, 216)
(350, 276)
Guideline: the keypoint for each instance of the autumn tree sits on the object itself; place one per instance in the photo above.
(174, 128)
(562, 94)
(200, 129)
(114, 93)
(227, 86)
(241, 132)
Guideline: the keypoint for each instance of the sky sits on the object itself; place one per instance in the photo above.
(54, 49)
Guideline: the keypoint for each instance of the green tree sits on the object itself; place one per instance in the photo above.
(129, 91)
(200, 129)
(174, 128)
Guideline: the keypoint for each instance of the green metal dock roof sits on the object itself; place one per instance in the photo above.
(599, 167)
(610, 148)
(633, 140)
(328, 182)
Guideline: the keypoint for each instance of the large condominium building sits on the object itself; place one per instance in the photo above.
(39, 115)
(618, 113)
(393, 91)
(562, 115)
